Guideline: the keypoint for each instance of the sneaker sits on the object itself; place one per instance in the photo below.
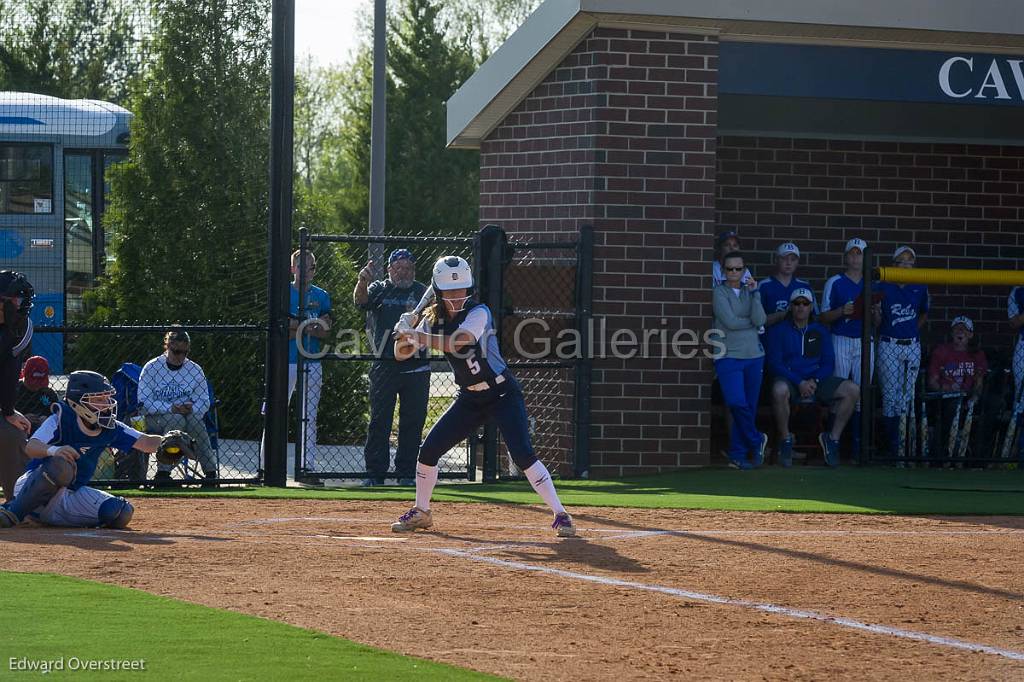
(162, 478)
(786, 452)
(564, 526)
(407, 481)
(210, 480)
(413, 519)
(741, 464)
(759, 452)
(829, 448)
(8, 519)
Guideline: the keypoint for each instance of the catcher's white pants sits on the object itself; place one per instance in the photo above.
(310, 406)
(76, 508)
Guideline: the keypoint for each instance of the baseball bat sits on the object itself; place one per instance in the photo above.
(965, 435)
(1011, 428)
(925, 444)
(903, 420)
(912, 422)
(954, 429)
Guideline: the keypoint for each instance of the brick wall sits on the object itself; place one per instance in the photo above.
(622, 136)
(959, 206)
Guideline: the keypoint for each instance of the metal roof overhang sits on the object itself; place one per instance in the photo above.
(558, 26)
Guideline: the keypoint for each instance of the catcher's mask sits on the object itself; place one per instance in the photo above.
(91, 396)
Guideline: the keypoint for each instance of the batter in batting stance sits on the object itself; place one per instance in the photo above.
(904, 310)
(463, 330)
(63, 454)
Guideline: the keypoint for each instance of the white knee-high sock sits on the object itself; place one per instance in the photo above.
(538, 476)
(426, 479)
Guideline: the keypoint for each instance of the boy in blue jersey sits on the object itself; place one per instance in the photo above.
(63, 454)
(463, 330)
(904, 311)
(1015, 313)
(314, 318)
(776, 290)
(801, 358)
(840, 312)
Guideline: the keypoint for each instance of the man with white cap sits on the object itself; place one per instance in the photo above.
(840, 310)
(904, 311)
(802, 360)
(776, 290)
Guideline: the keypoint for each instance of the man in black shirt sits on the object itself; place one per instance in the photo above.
(388, 299)
(15, 336)
(35, 397)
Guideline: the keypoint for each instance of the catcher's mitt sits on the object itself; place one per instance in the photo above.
(174, 446)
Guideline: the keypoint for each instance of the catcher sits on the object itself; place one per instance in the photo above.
(63, 454)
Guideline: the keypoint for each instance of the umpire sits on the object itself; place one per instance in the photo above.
(15, 336)
(387, 299)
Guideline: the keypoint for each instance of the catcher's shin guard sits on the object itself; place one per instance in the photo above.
(115, 513)
(43, 483)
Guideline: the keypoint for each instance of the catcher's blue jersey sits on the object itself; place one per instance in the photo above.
(61, 428)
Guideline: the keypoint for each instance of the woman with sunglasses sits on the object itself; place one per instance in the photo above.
(173, 394)
(739, 360)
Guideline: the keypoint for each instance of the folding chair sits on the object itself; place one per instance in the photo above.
(131, 465)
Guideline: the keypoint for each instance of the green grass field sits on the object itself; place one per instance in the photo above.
(66, 618)
(810, 489)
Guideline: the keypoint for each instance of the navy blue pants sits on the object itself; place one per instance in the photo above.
(389, 381)
(504, 404)
(741, 387)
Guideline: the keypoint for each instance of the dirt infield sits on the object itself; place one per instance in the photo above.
(642, 594)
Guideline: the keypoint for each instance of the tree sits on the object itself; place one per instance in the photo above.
(72, 48)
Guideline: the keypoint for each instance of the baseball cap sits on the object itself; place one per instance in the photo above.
(965, 321)
(399, 254)
(722, 236)
(802, 292)
(856, 243)
(902, 250)
(36, 371)
(786, 249)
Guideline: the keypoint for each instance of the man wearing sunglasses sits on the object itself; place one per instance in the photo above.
(173, 394)
(801, 360)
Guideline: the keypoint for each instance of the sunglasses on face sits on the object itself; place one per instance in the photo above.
(802, 304)
(734, 269)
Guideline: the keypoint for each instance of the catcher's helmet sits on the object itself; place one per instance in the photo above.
(91, 396)
(452, 272)
(16, 285)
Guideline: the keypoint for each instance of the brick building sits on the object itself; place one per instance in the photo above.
(663, 122)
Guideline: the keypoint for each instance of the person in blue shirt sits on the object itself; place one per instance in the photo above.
(903, 311)
(463, 330)
(776, 290)
(842, 314)
(1015, 313)
(314, 320)
(801, 361)
(63, 454)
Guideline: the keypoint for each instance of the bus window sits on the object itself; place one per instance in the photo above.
(78, 229)
(26, 178)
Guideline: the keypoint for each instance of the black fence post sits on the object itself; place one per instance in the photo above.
(867, 407)
(281, 115)
(584, 366)
(489, 263)
(300, 359)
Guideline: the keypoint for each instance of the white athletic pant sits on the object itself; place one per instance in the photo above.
(76, 508)
(310, 406)
(847, 351)
(897, 372)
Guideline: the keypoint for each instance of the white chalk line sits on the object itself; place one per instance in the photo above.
(803, 614)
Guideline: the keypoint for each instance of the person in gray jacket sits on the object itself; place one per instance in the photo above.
(739, 321)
